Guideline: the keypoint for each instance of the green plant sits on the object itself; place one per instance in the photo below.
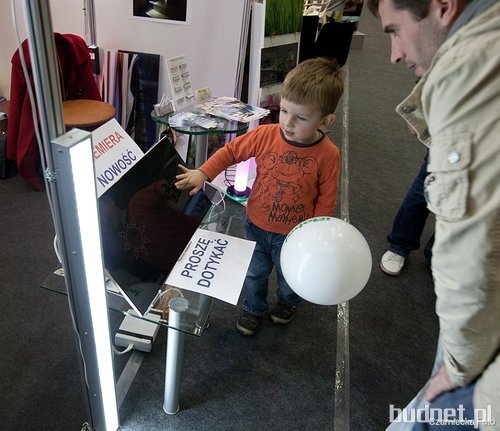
(283, 16)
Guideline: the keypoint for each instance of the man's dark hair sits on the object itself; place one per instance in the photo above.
(417, 8)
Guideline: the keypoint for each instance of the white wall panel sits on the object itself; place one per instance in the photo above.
(210, 42)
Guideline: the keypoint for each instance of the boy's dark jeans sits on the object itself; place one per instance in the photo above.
(265, 256)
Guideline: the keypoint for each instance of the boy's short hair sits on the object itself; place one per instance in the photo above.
(317, 81)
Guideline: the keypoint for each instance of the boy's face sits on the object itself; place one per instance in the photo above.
(300, 123)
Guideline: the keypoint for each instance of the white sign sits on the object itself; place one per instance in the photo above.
(213, 264)
(115, 152)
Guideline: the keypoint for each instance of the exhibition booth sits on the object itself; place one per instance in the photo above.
(107, 151)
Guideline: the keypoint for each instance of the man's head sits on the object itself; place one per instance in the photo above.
(309, 96)
(417, 28)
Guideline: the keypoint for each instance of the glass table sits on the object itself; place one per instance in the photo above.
(188, 314)
(200, 134)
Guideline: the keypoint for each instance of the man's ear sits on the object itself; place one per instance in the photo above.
(447, 11)
(327, 121)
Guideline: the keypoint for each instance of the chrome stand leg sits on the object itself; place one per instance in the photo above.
(201, 143)
(175, 349)
(204, 304)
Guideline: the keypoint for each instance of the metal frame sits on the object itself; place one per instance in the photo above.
(63, 201)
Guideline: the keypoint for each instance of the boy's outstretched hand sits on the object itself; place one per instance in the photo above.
(190, 178)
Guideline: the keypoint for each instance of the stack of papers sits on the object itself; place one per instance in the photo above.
(231, 108)
(185, 119)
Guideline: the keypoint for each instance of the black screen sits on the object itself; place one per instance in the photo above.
(146, 223)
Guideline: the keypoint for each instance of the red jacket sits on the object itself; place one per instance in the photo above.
(77, 82)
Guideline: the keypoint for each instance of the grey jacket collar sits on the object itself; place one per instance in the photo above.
(411, 108)
(475, 8)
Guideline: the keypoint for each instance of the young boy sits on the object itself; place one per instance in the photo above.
(297, 178)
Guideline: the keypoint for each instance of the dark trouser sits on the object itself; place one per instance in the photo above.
(451, 404)
(410, 219)
(265, 256)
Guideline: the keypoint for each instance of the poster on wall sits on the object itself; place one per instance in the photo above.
(276, 62)
(166, 11)
(143, 76)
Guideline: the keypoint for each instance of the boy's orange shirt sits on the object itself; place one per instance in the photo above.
(292, 183)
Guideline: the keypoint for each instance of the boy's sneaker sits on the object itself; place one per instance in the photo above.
(392, 263)
(282, 314)
(248, 323)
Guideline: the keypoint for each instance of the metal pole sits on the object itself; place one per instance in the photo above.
(44, 62)
(91, 22)
(175, 348)
(204, 305)
(256, 43)
(201, 149)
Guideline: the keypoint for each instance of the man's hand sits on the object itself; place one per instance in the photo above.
(190, 178)
(439, 383)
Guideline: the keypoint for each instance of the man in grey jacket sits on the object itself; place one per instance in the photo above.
(455, 110)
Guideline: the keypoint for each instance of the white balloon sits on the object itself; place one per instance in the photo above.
(326, 260)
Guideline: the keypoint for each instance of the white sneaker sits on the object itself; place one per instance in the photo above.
(392, 263)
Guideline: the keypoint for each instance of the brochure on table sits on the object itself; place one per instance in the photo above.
(232, 109)
(213, 264)
(180, 82)
(115, 152)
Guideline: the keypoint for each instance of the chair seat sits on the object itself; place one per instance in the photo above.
(86, 113)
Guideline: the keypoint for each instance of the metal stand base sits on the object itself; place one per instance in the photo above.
(237, 195)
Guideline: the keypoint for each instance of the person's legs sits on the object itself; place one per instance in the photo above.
(408, 225)
(451, 411)
(284, 292)
(410, 219)
(284, 310)
(255, 286)
(418, 402)
(412, 417)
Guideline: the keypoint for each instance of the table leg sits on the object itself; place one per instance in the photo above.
(204, 305)
(201, 150)
(175, 350)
